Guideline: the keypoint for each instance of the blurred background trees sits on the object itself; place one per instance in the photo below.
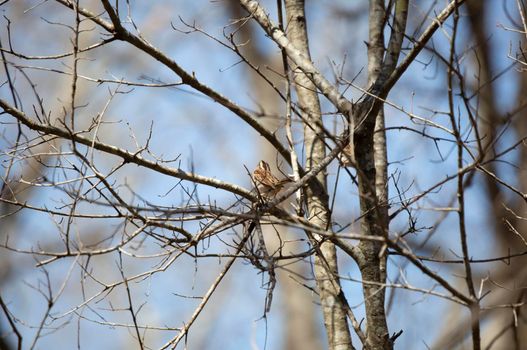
(130, 130)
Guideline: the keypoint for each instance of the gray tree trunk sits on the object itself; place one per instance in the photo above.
(326, 270)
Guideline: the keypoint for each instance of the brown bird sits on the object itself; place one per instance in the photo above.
(268, 185)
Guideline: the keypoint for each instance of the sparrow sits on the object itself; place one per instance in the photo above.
(268, 185)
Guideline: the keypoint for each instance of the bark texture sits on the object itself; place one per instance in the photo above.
(371, 156)
(326, 270)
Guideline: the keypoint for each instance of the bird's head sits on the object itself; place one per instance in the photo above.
(263, 165)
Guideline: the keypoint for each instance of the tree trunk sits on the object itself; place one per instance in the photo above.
(326, 270)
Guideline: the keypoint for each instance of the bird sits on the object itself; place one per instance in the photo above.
(267, 184)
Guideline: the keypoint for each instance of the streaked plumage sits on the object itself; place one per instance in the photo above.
(268, 184)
